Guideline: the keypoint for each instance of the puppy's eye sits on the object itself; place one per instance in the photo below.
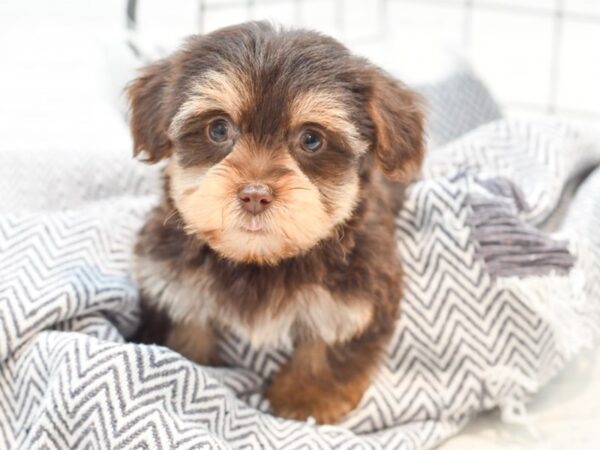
(219, 130)
(311, 141)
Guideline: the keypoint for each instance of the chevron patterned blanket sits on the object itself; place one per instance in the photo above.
(495, 304)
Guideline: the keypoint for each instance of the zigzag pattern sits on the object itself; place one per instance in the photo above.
(553, 151)
(68, 379)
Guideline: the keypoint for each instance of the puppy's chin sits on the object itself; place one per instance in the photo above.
(257, 247)
(267, 238)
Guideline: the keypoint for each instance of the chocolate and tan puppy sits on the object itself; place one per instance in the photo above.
(276, 221)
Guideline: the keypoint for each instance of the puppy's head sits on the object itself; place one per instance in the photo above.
(268, 133)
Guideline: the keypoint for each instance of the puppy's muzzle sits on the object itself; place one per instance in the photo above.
(255, 197)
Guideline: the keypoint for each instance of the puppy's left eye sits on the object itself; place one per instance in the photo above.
(311, 141)
(219, 130)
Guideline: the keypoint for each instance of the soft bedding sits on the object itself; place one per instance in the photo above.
(493, 309)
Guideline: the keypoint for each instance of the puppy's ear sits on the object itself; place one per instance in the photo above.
(148, 118)
(397, 115)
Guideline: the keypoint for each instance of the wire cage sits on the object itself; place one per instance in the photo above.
(537, 56)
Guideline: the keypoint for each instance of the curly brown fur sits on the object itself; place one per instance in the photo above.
(313, 264)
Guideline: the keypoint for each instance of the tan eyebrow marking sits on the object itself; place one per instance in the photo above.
(226, 90)
(323, 108)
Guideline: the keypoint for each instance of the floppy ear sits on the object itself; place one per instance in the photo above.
(398, 119)
(148, 118)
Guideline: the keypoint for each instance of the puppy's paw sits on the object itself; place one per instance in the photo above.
(297, 396)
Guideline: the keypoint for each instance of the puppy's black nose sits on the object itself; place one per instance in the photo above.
(255, 197)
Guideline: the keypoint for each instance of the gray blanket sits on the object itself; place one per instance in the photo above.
(493, 309)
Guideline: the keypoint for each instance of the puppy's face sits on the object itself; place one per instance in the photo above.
(269, 135)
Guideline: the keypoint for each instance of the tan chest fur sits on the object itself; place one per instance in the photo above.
(309, 312)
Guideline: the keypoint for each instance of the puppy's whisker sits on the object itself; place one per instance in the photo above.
(223, 216)
(297, 188)
(339, 231)
(169, 216)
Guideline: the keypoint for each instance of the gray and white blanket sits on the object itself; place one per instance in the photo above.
(494, 307)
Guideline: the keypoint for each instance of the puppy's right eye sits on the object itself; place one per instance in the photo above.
(219, 130)
(311, 141)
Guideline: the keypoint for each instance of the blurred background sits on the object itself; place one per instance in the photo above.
(536, 56)
(64, 63)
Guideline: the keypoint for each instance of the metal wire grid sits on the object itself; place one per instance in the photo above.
(558, 13)
(204, 8)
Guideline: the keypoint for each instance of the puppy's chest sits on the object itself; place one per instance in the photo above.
(309, 311)
(276, 319)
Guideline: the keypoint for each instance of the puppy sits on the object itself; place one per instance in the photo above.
(276, 221)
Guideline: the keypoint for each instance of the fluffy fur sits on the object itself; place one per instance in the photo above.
(317, 269)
